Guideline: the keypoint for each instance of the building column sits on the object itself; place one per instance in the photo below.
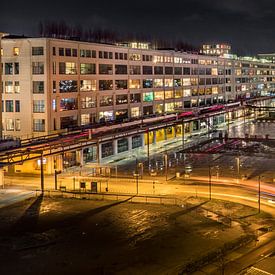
(2, 185)
(165, 133)
(154, 137)
(142, 140)
(79, 157)
(130, 143)
(115, 146)
(175, 131)
(99, 153)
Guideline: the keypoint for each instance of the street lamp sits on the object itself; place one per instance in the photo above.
(166, 165)
(2, 34)
(210, 182)
(136, 174)
(259, 194)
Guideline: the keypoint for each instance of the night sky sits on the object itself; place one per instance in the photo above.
(249, 25)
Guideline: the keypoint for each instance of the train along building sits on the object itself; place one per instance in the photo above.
(52, 84)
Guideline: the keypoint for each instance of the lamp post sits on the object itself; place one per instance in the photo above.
(259, 194)
(210, 182)
(136, 174)
(166, 165)
(2, 34)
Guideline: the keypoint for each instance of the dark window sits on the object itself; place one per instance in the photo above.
(135, 98)
(121, 99)
(105, 85)
(74, 52)
(8, 68)
(158, 70)
(178, 70)
(121, 84)
(37, 51)
(134, 70)
(169, 70)
(105, 69)
(68, 52)
(186, 71)
(54, 51)
(120, 69)
(37, 68)
(147, 70)
(38, 87)
(9, 106)
(16, 68)
(61, 51)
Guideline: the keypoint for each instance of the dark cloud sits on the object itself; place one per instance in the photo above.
(247, 24)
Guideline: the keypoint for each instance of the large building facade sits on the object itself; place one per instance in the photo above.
(52, 84)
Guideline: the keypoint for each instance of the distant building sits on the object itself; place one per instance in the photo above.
(216, 49)
(268, 56)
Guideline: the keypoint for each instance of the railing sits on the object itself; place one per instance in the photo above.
(140, 198)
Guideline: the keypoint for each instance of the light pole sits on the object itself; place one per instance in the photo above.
(2, 34)
(210, 182)
(136, 174)
(166, 165)
(259, 194)
(238, 167)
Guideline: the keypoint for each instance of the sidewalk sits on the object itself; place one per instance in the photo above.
(11, 195)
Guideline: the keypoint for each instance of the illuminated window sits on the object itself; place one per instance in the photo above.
(67, 86)
(214, 71)
(39, 125)
(169, 107)
(158, 83)
(10, 124)
(148, 97)
(39, 106)
(135, 112)
(178, 93)
(169, 94)
(67, 104)
(67, 68)
(168, 82)
(134, 84)
(87, 68)
(16, 51)
(159, 95)
(135, 57)
(87, 85)
(8, 87)
(88, 102)
(186, 92)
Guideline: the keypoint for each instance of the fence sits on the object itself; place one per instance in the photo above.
(151, 199)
